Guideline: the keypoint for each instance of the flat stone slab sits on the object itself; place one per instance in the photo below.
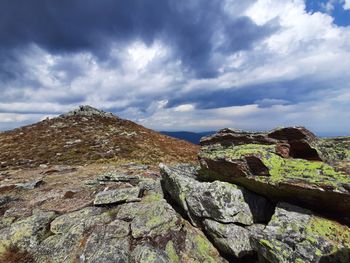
(117, 196)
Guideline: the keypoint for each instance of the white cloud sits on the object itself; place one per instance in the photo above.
(347, 5)
(138, 81)
(184, 108)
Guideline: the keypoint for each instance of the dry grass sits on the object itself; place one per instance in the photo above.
(13, 254)
(81, 140)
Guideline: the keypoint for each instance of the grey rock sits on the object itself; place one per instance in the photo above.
(295, 234)
(30, 185)
(63, 223)
(117, 196)
(230, 238)
(149, 254)
(223, 202)
(118, 177)
(88, 111)
(149, 218)
(108, 244)
(70, 233)
(28, 232)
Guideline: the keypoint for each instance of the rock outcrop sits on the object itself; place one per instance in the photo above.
(86, 110)
(228, 213)
(295, 234)
(293, 176)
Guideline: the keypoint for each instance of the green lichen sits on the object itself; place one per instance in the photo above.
(330, 230)
(280, 169)
(337, 148)
(266, 243)
(152, 198)
(171, 252)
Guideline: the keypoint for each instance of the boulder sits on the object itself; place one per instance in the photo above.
(26, 233)
(220, 201)
(108, 244)
(117, 196)
(295, 234)
(149, 218)
(296, 142)
(230, 238)
(259, 168)
(70, 233)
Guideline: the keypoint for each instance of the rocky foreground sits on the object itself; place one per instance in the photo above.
(280, 196)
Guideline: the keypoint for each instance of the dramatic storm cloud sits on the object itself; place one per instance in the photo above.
(178, 65)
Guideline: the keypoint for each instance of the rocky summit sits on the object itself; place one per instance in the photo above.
(87, 135)
(253, 197)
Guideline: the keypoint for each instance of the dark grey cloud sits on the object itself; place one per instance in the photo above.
(77, 25)
(275, 92)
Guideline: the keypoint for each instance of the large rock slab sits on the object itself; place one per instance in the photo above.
(27, 233)
(108, 244)
(296, 235)
(149, 218)
(70, 233)
(117, 196)
(230, 238)
(149, 254)
(296, 142)
(259, 168)
(220, 201)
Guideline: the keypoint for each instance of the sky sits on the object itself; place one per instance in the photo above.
(192, 65)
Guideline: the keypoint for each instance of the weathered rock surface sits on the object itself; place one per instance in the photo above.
(108, 243)
(230, 238)
(261, 169)
(30, 185)
(224, 210)
(149, 218)
(296, 142)
(220, 201)
(148, 254)
(26, 233)
(86, 110)
(117, 196)
(297, 235)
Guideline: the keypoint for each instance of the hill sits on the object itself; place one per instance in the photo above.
(87, 135)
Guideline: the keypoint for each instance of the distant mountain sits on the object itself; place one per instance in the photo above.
(86, 135)
(193, 137)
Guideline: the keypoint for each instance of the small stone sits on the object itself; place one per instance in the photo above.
(30, 185)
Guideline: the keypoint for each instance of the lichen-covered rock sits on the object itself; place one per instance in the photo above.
(199, 249)
(337, 152)
(27, 233)
(108, 244)
(63, 223)
(259, 168)
(149, 218)
(149, 254)
(296, 235)
(118, 177)
(296, 142)
(230, 238)
(70, 233)
(117, 196)
(219, 201)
